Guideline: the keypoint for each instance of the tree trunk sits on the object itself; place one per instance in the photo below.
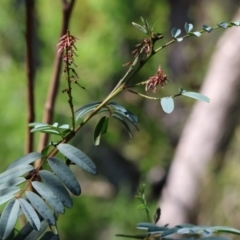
(207, 131)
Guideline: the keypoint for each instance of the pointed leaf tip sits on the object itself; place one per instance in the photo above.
(196, 96)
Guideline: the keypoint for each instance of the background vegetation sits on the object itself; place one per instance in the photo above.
(107, 206)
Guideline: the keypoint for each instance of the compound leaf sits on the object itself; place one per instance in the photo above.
(14, 172)
(30, 214)
(41, 207)
(9, 218)
(25, 160)
(78, 157)
(48, 195)
(65, 175)
(167, 104)
(57, 187)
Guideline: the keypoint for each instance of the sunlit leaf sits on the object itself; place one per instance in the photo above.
(57, 187)
(100, 129)
(64, 126)
(49, 196)
(188, 27)
(9, 218)
(195, 95)
(196, 34)
(7, 193)
(207, 28)
(85, 109)
(12, 182)
(14, 172)
(139, 27)
(118, 109)
(28, 158)
(36, 124)
(41, 207)
(65, 175)
(78, 157)
(221, 229)
(30, 214)
(167, 104)
(235, 23)
(175, 32)
(223, 25)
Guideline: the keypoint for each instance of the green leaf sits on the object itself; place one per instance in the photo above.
(169, 232)
(8, 191)
(223, 25)
(207, 28)
(65, 175)
(175, 32)
(120, 110)
(49, 236)
(195, 95)
(188, 27)
(28, 233)
(196, 34)
(221, 229)
(12, 183)
(85, 109)
(36, 124)
(14, 172)
(56, 187)
(64, 126)
(153, 27)
(235, 23)
(26, 159)
(139, 27)
(48, 195)
(124, 123)
(9, 218)
(100, 129)
(78, 157)
(145, 225)
(41, 207)
(167, 104)
(30, 214)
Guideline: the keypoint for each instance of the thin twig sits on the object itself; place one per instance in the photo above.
(54, 85)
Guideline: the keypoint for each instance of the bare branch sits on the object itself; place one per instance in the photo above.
(30, 70)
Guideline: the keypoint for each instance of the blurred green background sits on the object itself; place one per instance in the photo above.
(107, 205)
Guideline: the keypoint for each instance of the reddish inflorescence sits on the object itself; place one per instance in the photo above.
(67, 47)
(158, 79)
(142, 47)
